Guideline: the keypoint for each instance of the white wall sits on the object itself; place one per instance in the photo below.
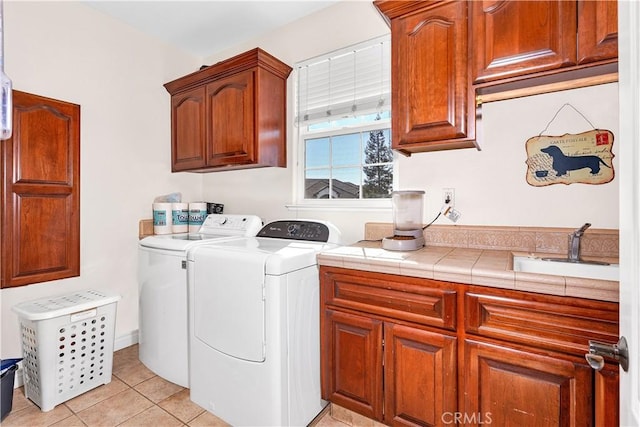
(490, 185)
(67, 51)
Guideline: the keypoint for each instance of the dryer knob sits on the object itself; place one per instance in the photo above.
(219, 219)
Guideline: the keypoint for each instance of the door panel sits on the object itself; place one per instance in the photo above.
(228, 301)
(431, 82)
(352, 359)
(597, 30)
(230, 112)
(41, 192)
(521, 388)
(188, 138)
(420, 376)
(514, 38)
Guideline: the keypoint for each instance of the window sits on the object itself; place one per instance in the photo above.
(343, 119)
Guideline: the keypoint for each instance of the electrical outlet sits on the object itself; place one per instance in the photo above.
(449, 196)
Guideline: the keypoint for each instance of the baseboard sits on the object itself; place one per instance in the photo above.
(119, 343)
(126, 340)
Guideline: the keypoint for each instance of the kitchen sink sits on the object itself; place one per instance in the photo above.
(558, 267)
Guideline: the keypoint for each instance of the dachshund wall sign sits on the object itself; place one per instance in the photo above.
(586, 158)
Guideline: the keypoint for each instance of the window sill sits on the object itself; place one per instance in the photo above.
(362, 206)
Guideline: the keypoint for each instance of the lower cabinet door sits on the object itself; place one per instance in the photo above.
(352, 362)
(420, 377)
(515, 387)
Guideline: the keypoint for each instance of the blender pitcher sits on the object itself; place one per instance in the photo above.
(407, 210)
(407, 221)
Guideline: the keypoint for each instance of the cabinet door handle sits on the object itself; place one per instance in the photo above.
(599, 350)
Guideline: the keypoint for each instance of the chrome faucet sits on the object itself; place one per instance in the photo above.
(574, 243)
(573, 254)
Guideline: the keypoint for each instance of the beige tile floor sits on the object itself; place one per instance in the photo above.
(134, 397)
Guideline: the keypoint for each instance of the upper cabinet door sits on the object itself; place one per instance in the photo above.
(230, 117)
(432, 108)
(597, 30)
(41, 192)
(188, 130)
(514, 38)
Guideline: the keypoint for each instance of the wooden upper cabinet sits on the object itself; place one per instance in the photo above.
(41, 192)
(514, 38)
(597, 30)
(231, 115)
(431, 92)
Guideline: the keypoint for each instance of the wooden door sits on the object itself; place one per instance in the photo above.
(420, 376)
(351, 362)
(41, 192)
(188, 129)
(515, 38)
(231, 120)
(511, 386)
(597, 30)
(431, 99)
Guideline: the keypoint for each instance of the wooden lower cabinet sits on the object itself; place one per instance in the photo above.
(398, 374)
(494, 357)
(521, 387)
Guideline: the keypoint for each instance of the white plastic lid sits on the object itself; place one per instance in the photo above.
(48, 308)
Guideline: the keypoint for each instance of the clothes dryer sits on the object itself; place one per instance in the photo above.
(162, 286)
(254, 324)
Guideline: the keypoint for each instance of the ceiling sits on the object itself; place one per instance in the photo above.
(205, 27)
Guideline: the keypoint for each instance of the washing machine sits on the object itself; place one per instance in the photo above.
(162, 286)
(254, 324)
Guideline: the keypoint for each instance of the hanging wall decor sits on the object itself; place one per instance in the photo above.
(585, 157)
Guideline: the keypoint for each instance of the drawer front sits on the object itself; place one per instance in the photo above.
(423, 301)
(556, 323)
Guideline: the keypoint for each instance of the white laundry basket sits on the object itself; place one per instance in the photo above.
(67, 345)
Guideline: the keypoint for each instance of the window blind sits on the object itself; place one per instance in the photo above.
(348, 82)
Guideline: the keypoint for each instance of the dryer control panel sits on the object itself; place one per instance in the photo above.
(296, 230)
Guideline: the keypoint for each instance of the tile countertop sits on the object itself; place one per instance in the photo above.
(475, 266)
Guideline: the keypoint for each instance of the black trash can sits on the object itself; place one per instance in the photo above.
(6, 383)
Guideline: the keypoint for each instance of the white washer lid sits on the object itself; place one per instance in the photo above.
(216, 226)
(178, 242)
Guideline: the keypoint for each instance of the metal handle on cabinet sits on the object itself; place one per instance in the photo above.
(599, 350)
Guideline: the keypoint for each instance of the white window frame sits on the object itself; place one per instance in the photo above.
(301, 134)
